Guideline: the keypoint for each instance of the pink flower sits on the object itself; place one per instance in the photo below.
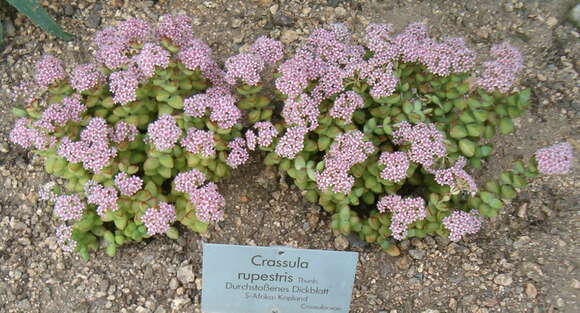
(224, 112)
(112, 56)
(245, 68)
(134, 30)
(208, 203)
(426, 142)
(64, 238)
(196, 56)
(188, 182)
(124, 132)
(455, 177)
(460, 223)
(49, 70)
(348, 150)
(27, 137)
(104, 197)
(123, 85)
(150, 56)
(292, 142)
(251, 140)
(345, 105)
(555, 160)
(177, 29)
(270, 50)
(128, 185)
(164, 132)
(158, 220)
(85, 77)
(199, 141)
(501, 74)
(69, 207)
(266, 133)
(302, 111)
(396, 165)
(197, 105)
(405, 211)
(238, 154)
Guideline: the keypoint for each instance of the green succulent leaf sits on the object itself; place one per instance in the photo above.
(458, 132)
(506, 126)
(467, 147)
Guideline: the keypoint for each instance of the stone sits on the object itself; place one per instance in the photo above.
(430, 311)
(68, 10)
(9, 29)
(503, 280)
(417, 254)
(575, 15)
(179, 302)
(93, 20)
(341, 243)
(236, 23)
(552, 21)
(185, 274)
(288, 36)
(403, 263)
(281, 19)
(355, 241)
(173, 283)
(340, 11)
(531, 290)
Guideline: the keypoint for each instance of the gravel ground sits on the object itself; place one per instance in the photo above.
(525, 260)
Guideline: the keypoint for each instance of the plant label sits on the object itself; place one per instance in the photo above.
(249, 279)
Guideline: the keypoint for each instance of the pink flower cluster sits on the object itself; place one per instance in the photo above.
(266, 133)
(348, 150)
(451, 55)
(58, 114)
(128, 185)
(93, 149)
(502, 73)
(301, 111)
(198, 56)
(188, 182)
(270, 50)
(69, 207)
(396, 165)
(158, 220)
(221, 105)
(207, 200)
(199, 141)
(555, 160)
(25, 136)
(123, 85)
(292, 142)
(49, 70)
(426, 142)
(460, 223)
(104, 197)
(64, 238)
(455, 177)
(405, 211)
(86, 76)
(345, 105)
(177, 29)
(150, 56)
(239, 154)
(164, 132)
(124, 132)
(245, 68)
(208, 203)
